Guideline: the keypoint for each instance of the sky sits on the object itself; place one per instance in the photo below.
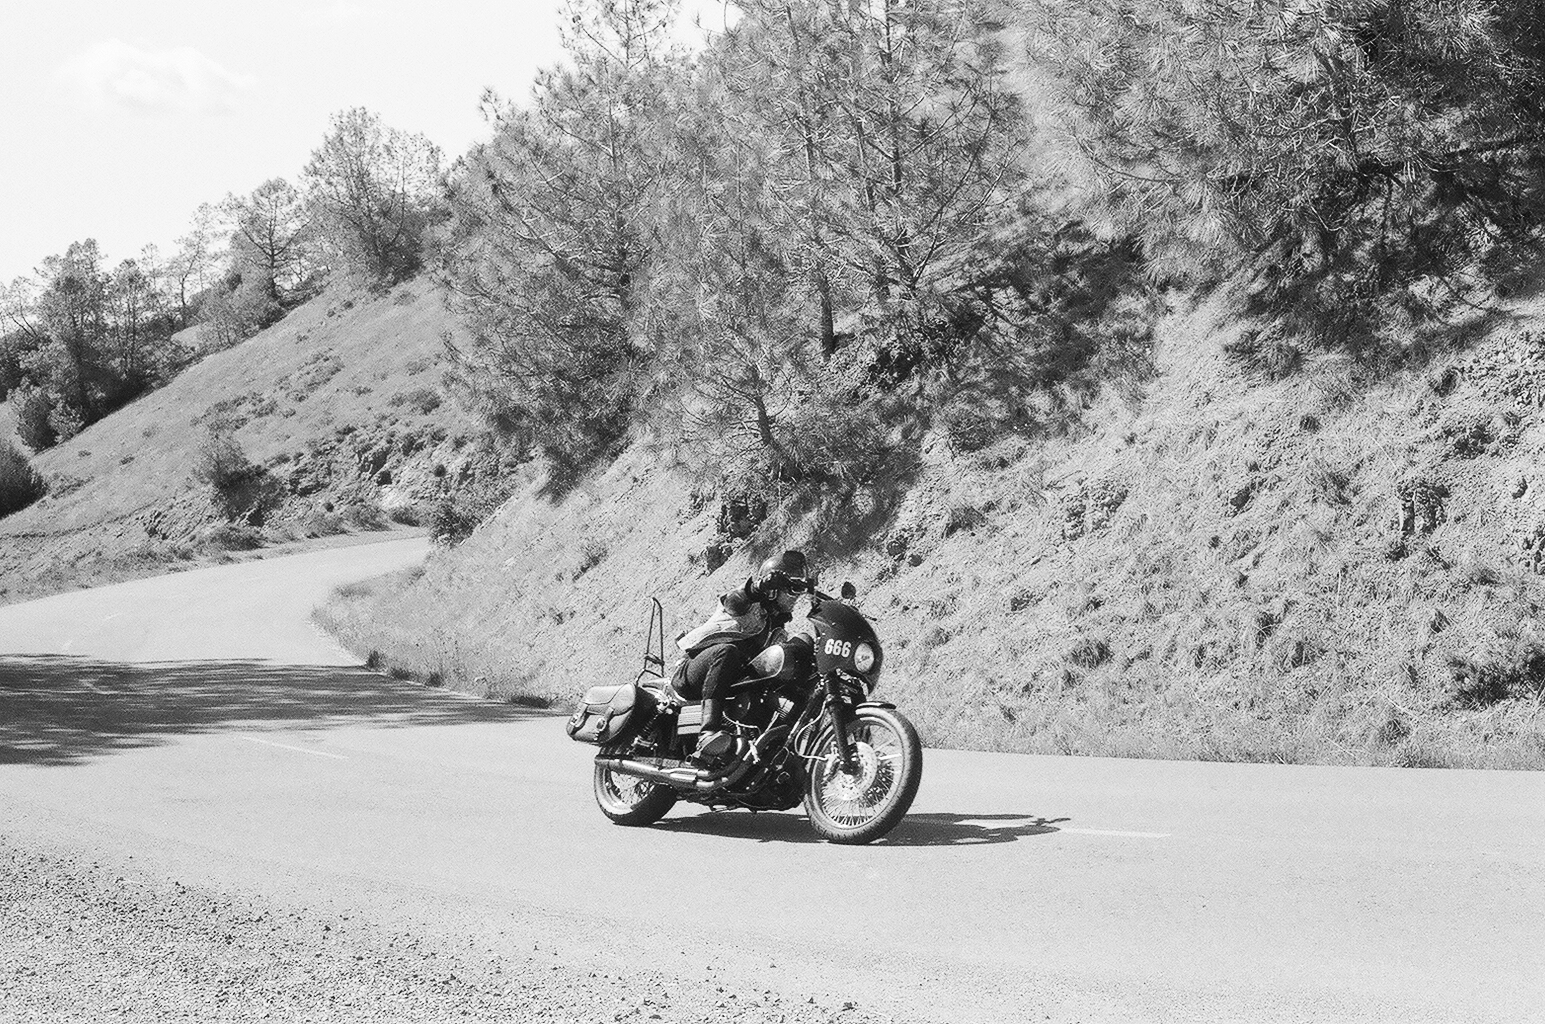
(119, 117)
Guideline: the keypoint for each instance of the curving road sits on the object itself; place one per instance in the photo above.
(194, 740)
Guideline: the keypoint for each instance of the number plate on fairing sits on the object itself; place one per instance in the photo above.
(839, 629)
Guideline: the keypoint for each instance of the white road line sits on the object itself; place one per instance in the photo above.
(1114, 832)
(298, 750)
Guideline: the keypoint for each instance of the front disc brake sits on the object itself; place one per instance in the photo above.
(853, 785)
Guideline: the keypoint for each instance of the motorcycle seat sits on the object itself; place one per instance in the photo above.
(752, 681)
(666, 687)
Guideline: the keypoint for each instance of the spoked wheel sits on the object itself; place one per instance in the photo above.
(864, 803)
(630, 800)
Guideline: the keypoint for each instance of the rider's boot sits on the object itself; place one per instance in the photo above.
(713, 741)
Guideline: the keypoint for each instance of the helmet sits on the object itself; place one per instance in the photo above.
(788, 571)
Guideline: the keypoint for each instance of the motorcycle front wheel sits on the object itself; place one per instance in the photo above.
(863, 803)
(630, 800)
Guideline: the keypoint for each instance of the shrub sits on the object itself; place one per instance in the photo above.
(20, 484)
(1480, 684)
(591, 555)
(450, 521)
(241, 490)
(364, 516)
(222, 463)
(405, 515)
(968, 427)
(322, 524)
(231, 537)
(32, 425)
(1327, 483)
(234, 313)
(421, 400)
(66, 421)
(1089, 653)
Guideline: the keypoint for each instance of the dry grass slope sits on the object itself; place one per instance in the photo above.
(337, 405)
(1321, 569)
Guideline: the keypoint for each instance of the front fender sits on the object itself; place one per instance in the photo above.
(824, 733)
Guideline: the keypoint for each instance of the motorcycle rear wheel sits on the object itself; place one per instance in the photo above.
(862, 805)
(630, 800)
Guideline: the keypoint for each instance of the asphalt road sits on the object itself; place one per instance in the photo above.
(197, 727)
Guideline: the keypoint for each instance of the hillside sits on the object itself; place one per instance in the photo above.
(338, 406)
(1326, 568)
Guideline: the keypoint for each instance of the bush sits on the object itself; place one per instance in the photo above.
(32, 422)
(65, 421)
(421, 400)
(20, 484)
(231, 537)
(1480, 684)
(451, 521)
(969, 427)
(322, 524)
(364, 516)
(591, 554)
(241, 490)
(232, 314)
(222, 463)
(406, 515)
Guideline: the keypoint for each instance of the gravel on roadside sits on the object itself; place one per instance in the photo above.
(84, 940)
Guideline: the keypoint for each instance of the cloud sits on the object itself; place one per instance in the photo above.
(115, 75)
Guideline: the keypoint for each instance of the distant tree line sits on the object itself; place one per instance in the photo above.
(81, 338)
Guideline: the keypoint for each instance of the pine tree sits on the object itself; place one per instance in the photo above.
(734, 295)
(553, 228)
(373, 190)
(1372, 162)
(902, 147)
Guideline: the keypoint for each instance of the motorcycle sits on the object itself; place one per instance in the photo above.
(801, 728)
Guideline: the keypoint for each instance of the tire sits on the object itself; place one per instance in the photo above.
(863, 806)
(629, 800)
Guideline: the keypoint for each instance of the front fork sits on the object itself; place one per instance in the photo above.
(838, 713)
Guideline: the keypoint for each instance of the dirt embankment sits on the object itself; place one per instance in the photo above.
(1327, 566)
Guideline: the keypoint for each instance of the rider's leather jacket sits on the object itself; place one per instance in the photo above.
(745, 616)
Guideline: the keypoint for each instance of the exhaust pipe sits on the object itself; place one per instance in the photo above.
(700, 779)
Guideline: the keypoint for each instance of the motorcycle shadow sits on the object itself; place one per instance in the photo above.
(968, 829)
(913, 830)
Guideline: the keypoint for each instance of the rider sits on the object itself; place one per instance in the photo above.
(749, 618)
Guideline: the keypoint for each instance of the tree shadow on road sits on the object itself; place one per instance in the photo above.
(60, 710)
(914, 829)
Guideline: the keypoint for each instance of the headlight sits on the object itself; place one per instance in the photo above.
(863, 657)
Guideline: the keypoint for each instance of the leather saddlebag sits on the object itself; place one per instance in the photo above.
(607, 714)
